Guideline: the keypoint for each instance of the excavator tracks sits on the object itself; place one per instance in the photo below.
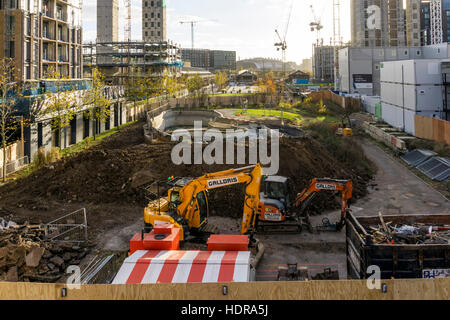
(290, 227)
(210, 229)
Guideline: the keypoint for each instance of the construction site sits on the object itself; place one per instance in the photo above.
(99, 208)
(267, 194)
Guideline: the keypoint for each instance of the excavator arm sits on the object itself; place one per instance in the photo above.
(305, 197)
(187, 205)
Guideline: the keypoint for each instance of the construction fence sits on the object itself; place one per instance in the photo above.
(399, 289)
(348, 103)
(432, 129)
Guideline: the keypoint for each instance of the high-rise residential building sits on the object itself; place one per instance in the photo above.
(107, 20)
(154, 27)
(418, 23)
(446, 20)
(42, 34)
(377, 23)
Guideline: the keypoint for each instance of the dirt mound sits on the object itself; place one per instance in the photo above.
(112, 173)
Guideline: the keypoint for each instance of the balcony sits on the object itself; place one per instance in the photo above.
(60, 15)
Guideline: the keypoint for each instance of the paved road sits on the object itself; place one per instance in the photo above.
(398, 190)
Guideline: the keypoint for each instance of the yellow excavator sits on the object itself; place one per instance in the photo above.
(186, 205)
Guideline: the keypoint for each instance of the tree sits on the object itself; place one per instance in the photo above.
(221, 79)
(173, 86)
(194, 84)
(9, 86)
(133, 85)
(59, 103)
(97, 100)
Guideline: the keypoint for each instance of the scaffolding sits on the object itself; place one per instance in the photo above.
(116, 59)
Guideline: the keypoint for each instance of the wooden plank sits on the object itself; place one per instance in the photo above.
(447, 132)
(342, 290)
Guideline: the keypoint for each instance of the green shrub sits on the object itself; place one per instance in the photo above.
(40, 158)
(53, 155)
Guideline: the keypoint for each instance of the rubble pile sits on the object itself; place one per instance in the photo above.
(25, 256)
(418, 233)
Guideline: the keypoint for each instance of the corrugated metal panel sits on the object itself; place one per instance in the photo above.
(417, 157)
(436, 168)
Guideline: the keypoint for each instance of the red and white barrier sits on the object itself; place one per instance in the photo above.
(145, 267)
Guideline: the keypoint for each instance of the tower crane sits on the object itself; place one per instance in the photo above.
(193, 23)
(337, 40)
(316, 25)
(282, 45)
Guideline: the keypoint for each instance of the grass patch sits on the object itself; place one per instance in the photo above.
(297, 115)
(268, 113)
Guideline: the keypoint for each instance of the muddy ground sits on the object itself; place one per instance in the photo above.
(107, 180)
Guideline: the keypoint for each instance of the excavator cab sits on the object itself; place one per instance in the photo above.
(275, 199)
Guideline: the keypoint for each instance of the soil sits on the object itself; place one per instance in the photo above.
(107, 180)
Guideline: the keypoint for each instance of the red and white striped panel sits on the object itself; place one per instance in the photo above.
(184, 266)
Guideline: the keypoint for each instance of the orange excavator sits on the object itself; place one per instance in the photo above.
(277, 212)
(305, 197)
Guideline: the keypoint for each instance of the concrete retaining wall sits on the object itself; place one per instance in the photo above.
(386, 135)
(170, 119)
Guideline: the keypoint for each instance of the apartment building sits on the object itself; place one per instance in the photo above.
(154, 28)
(42, 34)
(377, 23)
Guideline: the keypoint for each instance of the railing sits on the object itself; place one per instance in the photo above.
(14, 166)
(69, 228)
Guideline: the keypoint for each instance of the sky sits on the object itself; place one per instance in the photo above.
(245, 26)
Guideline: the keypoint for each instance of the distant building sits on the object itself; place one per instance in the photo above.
(42, 34)
(213, 60)
(323, 63)
(262, 65)
(376, 23)
(199, 58)
(360, 68)
(245, 76)
(154, 28)
(419, 21)
(298, 77)
(306, 65)
(224, 60)
(117, 59)
(107, 20)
